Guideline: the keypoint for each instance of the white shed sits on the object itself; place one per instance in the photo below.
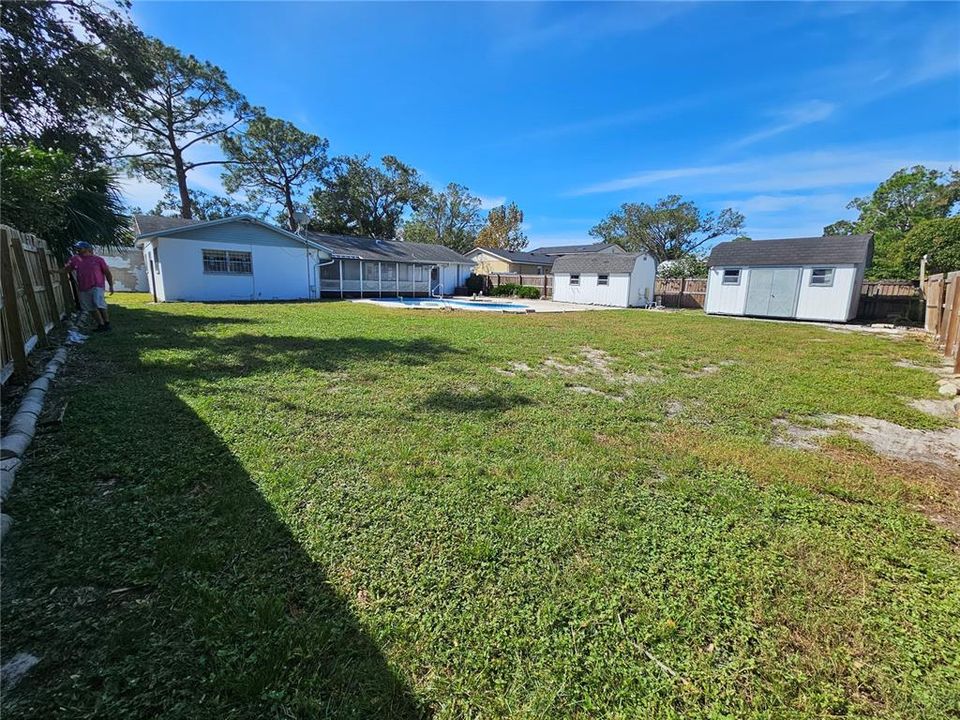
(616, 279)
(799, 278)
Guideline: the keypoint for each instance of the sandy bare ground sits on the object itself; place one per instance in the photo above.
(934, 447)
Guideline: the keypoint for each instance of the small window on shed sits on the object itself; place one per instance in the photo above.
(575, 279)
(731, 276)
(821, 277)
(603, 279)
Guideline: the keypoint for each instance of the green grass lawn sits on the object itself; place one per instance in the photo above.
(339, 510)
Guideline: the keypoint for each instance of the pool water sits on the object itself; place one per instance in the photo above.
(465, 304)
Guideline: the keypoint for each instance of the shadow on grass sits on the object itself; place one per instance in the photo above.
(487, 401)
(149, 573)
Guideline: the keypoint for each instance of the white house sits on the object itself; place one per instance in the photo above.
(244, 258)
(236, 258)
(801, 278)
(617, 279)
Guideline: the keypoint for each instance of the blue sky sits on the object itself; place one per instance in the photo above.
(783, 111)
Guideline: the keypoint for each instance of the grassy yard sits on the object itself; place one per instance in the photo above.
(338, 510)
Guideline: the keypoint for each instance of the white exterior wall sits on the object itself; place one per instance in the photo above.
(643, 281)
(624, 289)
(829, 303)
(450, 277)
(726, 299)
(837, 303)
(280, 272)
(616, 294)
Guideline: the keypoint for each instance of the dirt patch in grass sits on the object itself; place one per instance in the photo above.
(942, 409)
(943, 370)
(591, 363)
(934, 447)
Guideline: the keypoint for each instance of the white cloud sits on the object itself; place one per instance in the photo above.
(651, 113)
(578, 31)
(807, 113)
(762, 204)
(778, 173)
(140, 193)
(488, 202)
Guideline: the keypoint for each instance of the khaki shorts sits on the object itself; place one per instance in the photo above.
(93, 299)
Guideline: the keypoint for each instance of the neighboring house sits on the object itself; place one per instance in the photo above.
(243, 258)
(237, 258)
(490, 261)
(600, 247)
(617, 279)
(803, 278)
(127, 267)
(364, 267)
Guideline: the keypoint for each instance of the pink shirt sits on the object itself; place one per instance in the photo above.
(90, 271)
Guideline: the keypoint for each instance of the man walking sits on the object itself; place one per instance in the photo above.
(91, 272)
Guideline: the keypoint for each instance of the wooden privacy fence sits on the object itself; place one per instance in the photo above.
(35, 298)
(681, 292)
(942, 318)
(885, 299)
(879, 299)
(543, 283)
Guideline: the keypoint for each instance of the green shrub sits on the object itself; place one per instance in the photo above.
(505, 290)
(529, 293)
(475, 284)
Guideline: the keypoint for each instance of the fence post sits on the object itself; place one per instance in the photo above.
(941, 306)
(11, 310)
(16, 244)
(44, 256)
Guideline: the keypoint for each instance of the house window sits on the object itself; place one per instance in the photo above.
(603, 279)
(821, 277)
(227, 262)
(575, 279)
(731, 277)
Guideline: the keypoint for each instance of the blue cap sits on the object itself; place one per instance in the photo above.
(82, 245)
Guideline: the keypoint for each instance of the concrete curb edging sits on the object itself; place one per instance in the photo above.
(13, 445)
(22, 428)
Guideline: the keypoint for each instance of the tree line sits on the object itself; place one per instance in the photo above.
(86, 96)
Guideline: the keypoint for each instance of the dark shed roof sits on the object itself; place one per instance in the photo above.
(571, 249)
(146, 224)
(516, 256)
(827, 250)
(596, 263)
(345, 246)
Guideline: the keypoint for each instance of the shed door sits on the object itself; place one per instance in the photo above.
(773, 292)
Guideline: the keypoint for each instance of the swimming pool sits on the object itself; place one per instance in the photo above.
(435, 303)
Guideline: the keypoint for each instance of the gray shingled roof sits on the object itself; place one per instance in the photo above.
(345, 246)
(570, 249)
(603, 263)
(827, 250)
(146, 224)
(515, 256)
